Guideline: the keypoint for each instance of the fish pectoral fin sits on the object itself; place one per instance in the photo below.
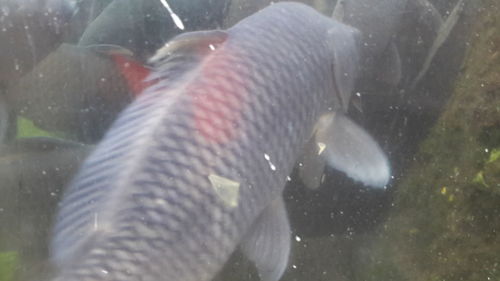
(311, 165)
(390, 66)
(109, 49)
(345, 43)
(194, 43)
(350, 149)
(268, 242)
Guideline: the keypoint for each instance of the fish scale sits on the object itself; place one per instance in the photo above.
(152, 212)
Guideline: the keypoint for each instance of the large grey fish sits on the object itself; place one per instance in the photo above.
(196, 166)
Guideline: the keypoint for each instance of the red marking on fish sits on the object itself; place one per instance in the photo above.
(134, 73)
(218, 99)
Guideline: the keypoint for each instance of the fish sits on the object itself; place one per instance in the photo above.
(381, 24)
(33, 173)
(149, 24)
(29, 31)
(195, 167)
(78, 91)
(444, 31)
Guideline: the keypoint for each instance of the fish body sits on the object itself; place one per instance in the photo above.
(197, 164)
(29, 31)
(148, 24)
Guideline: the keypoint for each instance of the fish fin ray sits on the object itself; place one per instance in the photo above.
(189, 44)
(183, 53)
(391, 70)
(268, 242)
(350, 149)
(346, 42)
(311, 165)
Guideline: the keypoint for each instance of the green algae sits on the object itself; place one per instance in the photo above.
(8, 263)
(444, 224)
(26, 128)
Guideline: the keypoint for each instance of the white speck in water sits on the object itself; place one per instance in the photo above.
(211, 47)
(4, 29)
(486, 150)
(358, 94)
(40, 75)
(300, 164)
(294, 266)
(297, 238)
(175, 18)
(482, 85)
(53, 194)
(271, 165)
(103, 271)
(103, 79)
(5, 11)
(288, 178)
(44, 172)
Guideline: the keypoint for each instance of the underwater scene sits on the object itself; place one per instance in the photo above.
(200, 140)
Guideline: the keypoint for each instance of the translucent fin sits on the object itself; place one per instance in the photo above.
(442, 36)
(268, 242)
(339, 10)
(110, 49)
(191, 43)
(391, 66)
(183, 53)
(351, 150)
(345, 42)
(311, 164)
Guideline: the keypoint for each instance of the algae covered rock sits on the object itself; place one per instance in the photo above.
(444, 224)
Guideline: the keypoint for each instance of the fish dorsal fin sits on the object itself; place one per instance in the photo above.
(183, 53)
(196, 43)
(345, 43)
(110, 49)
(268, 242)
(348, 148)
(390, 66)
